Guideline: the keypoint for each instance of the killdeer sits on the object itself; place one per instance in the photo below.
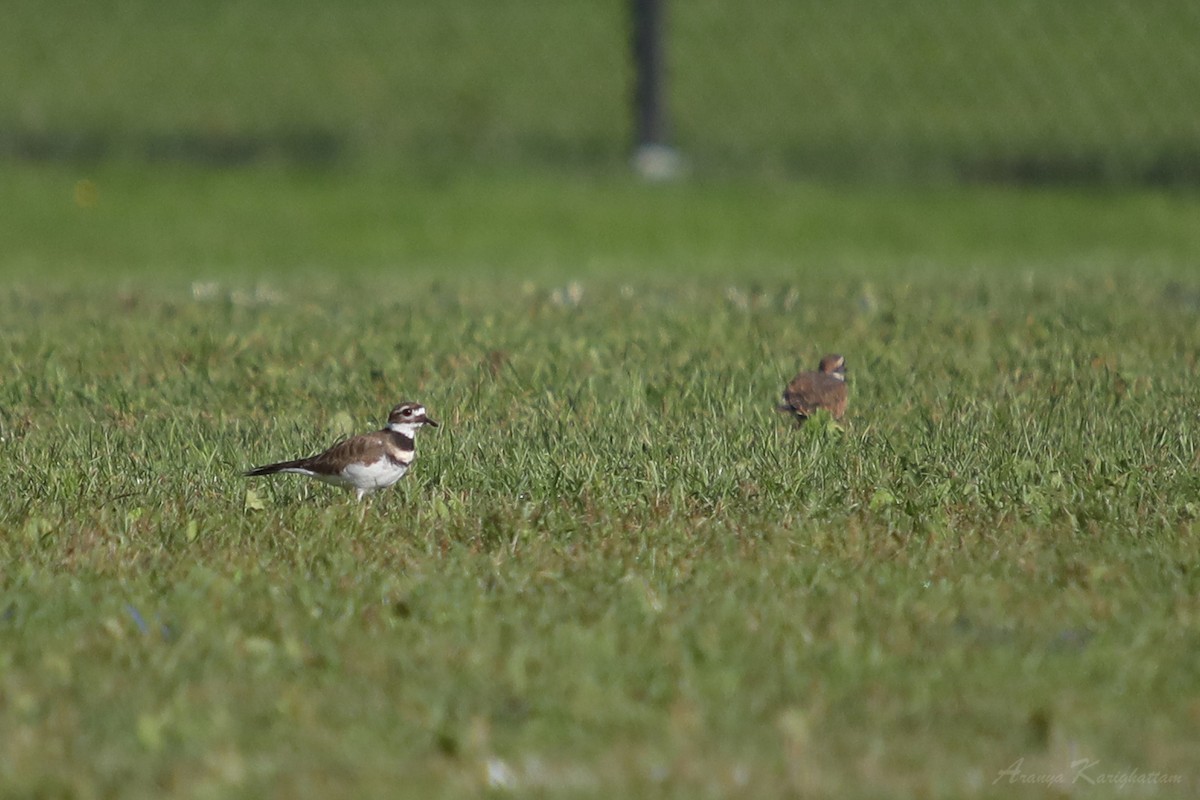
(825, 388)
(367, 462)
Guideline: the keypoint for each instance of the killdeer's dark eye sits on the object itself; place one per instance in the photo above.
(407, 412)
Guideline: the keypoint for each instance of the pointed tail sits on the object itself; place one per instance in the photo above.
(271, 469)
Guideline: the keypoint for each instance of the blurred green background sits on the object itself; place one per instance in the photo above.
(1077, 91)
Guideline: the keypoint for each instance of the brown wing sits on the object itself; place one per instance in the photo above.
(810, 391)
(369, 447)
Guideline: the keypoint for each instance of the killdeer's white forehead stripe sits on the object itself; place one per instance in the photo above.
(408, 411)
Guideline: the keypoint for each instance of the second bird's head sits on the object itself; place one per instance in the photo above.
(834, 365)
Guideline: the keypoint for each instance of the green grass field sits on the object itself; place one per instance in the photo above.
(614, 569)
(233, 233)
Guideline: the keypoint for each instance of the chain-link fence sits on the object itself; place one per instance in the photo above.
(1024, 90)
(1011, 90)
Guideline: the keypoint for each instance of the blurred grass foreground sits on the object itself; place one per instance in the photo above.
(1078, 91)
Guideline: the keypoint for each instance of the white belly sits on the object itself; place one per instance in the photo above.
(369, 477)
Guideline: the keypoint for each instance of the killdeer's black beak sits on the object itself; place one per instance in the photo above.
(429, 421)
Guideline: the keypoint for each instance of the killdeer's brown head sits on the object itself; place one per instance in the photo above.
(407, 417)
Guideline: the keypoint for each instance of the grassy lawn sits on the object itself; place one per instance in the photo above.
(234, 232)
(614, 569)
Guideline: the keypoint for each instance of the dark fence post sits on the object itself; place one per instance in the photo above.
(653, 156)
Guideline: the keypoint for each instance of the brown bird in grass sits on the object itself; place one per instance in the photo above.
(364, 463)
(810, 391)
